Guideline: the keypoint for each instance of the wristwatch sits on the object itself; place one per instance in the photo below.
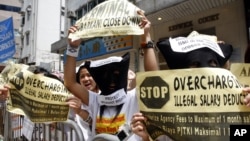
(150, 44)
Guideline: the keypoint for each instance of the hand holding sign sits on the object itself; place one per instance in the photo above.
(73, 42)
(247, 98)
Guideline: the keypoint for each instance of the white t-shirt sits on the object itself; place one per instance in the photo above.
(84, 127)
(83, 124)
(106, 125)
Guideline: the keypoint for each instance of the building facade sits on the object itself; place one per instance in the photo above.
(227, 19)
(42, 24)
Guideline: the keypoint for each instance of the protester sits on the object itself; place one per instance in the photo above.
(108, 113)
(83, 77)
(150, 64)
(81, 111)
(115, 106)
(202, 57)
(104, 76)
(82, 117)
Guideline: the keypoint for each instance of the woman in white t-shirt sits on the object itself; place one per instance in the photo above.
(82, 115)
(80, 111)
(114, 106)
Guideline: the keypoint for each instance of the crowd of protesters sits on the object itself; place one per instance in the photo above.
(105, 95)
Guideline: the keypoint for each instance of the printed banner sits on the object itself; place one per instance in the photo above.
(40, 98)
(7, 39)
(242, 72)
(112, 17)
(191, 104)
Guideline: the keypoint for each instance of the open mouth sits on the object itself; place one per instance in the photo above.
(87, 85)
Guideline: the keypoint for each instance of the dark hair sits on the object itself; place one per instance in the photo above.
(84, 66)
(38, 69)
(78, 73)
(247, 54)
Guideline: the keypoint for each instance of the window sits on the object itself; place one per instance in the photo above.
(100, 1)
(22, 42)
(62, 34)
(91, 5)
(62, 10)
(72, 22)
(28, 11)
(23, 21)
(16, 32)
(79, 13)
(27, 36)
(86, 8)
(62, 13)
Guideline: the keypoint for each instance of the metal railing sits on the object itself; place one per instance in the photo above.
(11, 128)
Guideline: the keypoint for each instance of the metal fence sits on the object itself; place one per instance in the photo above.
(11, 129)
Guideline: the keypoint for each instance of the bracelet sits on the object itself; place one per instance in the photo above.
(88, 119)
(149, 44)
(72, 51)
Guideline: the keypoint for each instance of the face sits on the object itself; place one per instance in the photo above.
(202, 58)
(111, 77)
(197, 64)
(87, 80)
(112, 83)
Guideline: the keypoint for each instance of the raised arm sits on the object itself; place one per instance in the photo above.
(69, 70)
(150, 62)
